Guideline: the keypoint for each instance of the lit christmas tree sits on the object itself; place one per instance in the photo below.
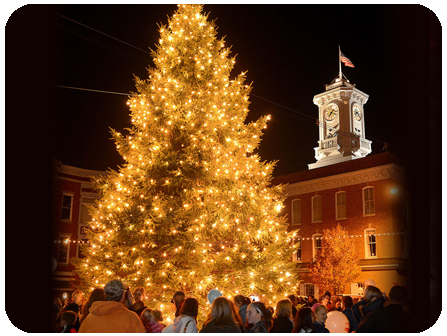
(336, 264)
(192, 209)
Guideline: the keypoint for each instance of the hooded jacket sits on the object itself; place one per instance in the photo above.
(111, 317)
(180, 322)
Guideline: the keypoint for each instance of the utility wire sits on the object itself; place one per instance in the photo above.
(309, 119)
(83, 89)
(104, 34)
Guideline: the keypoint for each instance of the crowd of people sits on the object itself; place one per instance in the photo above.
(115, 308)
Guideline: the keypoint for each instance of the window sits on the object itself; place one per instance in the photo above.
(316, 239)
(309, 289)
(316, 208)
(85, 215)
(340, 206)
(63, 249)
(296, 212)
(370, 243)
(297, 254)
(368, 201)
(67, 203)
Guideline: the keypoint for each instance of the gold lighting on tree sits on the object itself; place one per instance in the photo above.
(192, 208)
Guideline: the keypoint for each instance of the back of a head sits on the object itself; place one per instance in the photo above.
(96, 295)
(371, 293)
(114, 290)
(69, 317)
(190, 307)
(157, 315)
(398, 294)
(239, 299)
(247, 300)
(221, 313)
(74, 307)
(347, 301)
(303, 319)
(145, 314)
(291, 297)
(283, 308)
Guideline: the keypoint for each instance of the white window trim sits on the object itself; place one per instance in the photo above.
(337, 217)
(293, 219)
(294, 254)
(71, 206)
(363, 201)
(66, 236)
(366, 240)
(321, 209)
(314, 242)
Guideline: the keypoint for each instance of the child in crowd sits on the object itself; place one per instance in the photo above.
(151, 319)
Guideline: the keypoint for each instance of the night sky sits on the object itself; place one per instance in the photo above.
(290, 52)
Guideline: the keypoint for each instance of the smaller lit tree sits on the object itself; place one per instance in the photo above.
(336, 264)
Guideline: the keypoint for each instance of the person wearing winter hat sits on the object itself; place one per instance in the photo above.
(177, 300)
(111, 316)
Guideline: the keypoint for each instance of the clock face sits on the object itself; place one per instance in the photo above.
(331, 112)
(357, 113)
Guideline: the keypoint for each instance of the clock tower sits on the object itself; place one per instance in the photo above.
(341, 124)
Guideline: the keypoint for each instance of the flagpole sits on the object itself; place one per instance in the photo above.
(339, 63)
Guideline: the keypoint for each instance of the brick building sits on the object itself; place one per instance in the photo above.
(365, 197)
(364, 194)
(73, 194)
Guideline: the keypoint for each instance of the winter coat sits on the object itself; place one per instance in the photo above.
(111, 317)
(363, 308)
(353, 324)
(153, 327)
(281, 324)
(391, 319)
(259, 327)
(243, 313)
(305, 330)
(182, 324)
(320, 328)
(210, 328)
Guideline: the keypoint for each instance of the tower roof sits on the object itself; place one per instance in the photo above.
(339, 82)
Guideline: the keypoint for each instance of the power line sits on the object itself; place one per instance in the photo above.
(83, 89)
(342, 133)
(309, 119)
(104, 34)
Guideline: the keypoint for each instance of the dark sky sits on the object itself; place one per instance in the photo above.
(290, 52)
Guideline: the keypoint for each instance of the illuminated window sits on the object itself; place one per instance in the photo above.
(368, 201)
(67, 204)
(309, 289)
(297, 254)
(296, 212)
(63, 249)
(316, 240)
(340, 206)
(316, 208)
(370, 243)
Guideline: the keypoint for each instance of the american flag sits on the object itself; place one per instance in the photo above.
(346, 60)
